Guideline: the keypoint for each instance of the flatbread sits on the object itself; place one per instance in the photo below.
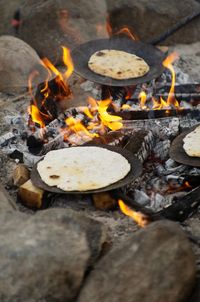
(82, 168)
(192, 143)
(117, 64)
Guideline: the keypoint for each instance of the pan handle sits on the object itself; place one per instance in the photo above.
(176, 27)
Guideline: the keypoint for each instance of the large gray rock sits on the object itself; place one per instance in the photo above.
(189, 61)
(49, 24)
(156, 265)
(17, 61)
(7, 9)
(44, 257)
(6, 202)
(149, 19)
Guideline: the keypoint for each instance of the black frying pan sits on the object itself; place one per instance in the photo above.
(149, 53)
(178, 153)
(136, 169)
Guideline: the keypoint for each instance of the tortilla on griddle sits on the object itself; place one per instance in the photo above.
(118, 64)
(191, 143)
(82, 168)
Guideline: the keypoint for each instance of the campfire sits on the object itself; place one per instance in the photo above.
(142, 117)
(114, 175)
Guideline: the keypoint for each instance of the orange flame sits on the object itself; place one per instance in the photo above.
(60, 78)
(36, 116)
(167, 63)
(171, 100)
(30, 81)
(159, 104)
(142, 97)
(63, 87)
(109, 27)
(125, 30)
(126, 107)
(138, 217)
(77, 127)
(68, 62)
(111, 121)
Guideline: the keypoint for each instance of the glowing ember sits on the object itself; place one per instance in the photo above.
(138, 217)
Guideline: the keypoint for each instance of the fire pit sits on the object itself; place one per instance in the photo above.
(133, 114)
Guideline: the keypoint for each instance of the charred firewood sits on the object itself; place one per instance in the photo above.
(180, 210)
(48, 97)
(182, 207)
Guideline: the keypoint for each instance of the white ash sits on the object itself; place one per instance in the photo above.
(30, 160)
(161, 150)
(186, 105)
(142, 198)
(188, 121)
(157, 201)
(181, 77)
(93, 88)
(163, 128)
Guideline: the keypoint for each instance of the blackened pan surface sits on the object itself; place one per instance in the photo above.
(153, 57)
(136, 169)
(178, 154)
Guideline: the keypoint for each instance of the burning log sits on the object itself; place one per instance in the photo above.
(38, 147)
(185, 92)
(49, 105)
(141, 144)
(30, 195)
(182, 207)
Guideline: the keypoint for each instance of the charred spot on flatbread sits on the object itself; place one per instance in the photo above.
(54, 176)
(100, 53)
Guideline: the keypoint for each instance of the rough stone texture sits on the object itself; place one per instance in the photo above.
(17, 61)
(157, 264)
(49, 24)
(7, 9)
(150, 19)
(43, 257)
(189, 61)
(6, 203)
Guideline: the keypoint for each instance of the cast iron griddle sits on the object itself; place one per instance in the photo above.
(136, 169)
(178, 154)
(82, 53)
